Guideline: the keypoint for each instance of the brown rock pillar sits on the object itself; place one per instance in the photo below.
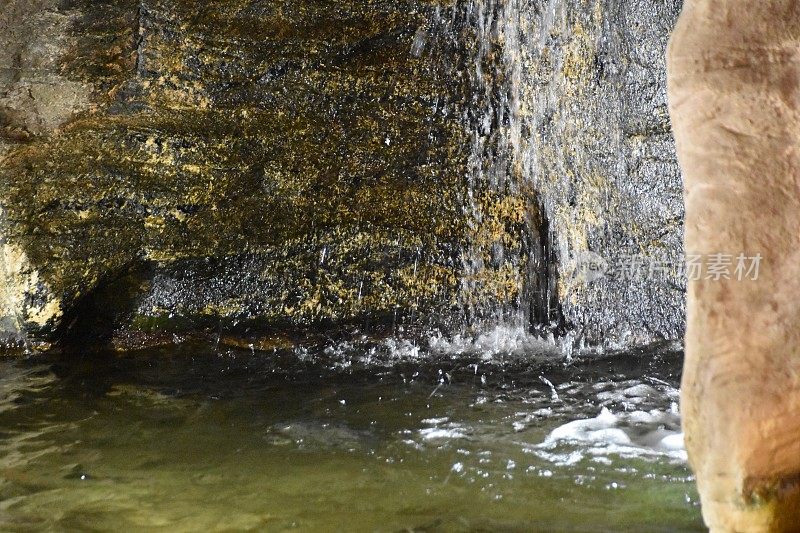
(734, 89)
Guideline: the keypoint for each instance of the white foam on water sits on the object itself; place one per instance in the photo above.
(626, 434)
(435, 421)
(404, 349)
(496, 342)
(442, 429)
(442, 433)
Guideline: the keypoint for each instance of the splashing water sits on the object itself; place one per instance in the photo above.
(511, 264)
(454, 443)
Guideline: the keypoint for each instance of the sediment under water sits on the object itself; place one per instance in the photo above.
(357, 437)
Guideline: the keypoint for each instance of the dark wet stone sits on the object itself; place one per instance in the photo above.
(257, 165)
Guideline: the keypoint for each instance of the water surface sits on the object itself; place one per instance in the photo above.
(199, 438)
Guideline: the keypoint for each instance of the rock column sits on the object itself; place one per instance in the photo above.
(734, 90)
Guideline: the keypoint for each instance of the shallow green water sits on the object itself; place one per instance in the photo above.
(198, 439)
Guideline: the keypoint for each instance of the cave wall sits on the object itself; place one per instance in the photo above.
(173, 166)
(234, 161)
(597, 146)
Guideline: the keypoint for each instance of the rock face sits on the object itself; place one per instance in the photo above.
(734, 97)
(596, 146)
(236, 161)
(174, 166)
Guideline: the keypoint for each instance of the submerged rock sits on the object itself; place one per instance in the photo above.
(169, 166)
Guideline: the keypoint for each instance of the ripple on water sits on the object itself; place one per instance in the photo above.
(354, 439)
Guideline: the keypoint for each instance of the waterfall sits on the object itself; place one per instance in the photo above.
(512, 265)
(567, 118)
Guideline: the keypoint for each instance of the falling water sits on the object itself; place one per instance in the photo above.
(566, 117)
(498, 180)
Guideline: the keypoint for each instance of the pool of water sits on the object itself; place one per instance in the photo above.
(199, 438)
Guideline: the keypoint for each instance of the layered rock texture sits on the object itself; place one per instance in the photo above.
(168, 165)
(192, 164)
(734, 94)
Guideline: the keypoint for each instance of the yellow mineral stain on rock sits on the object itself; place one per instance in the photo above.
(50, 311)
(579, 56)
(20, 281)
